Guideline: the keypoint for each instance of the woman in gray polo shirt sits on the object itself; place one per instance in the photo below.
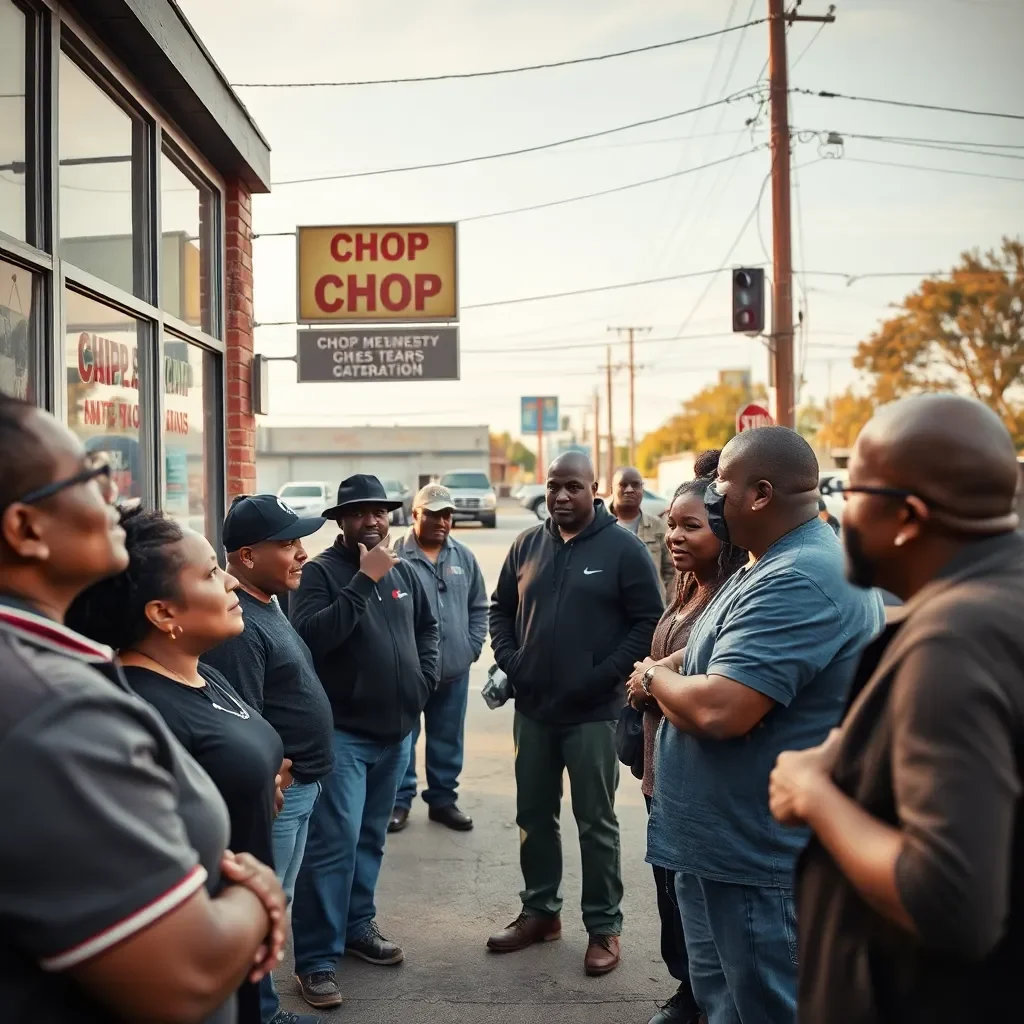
(117, 897)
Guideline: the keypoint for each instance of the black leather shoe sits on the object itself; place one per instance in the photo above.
(320, 989)
(399, 819)
(451, 817)
(680, 1009)
(372, 947)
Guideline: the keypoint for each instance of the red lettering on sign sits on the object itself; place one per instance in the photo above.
(427, 286)
(418, 241)
(336, 250)
(320, 293)
(85, 359)
(366, 291)
(366, 245)
(392, 246)
(404, 292)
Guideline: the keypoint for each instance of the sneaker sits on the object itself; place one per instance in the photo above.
(284, 1017)
(320, 989)
(372, 947)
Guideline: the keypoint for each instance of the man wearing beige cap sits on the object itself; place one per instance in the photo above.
(455, 588)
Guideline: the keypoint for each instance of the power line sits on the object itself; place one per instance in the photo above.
(611, 191)
(512, 152)
(824, 94)
(933, 170)
(935, 147)
(500, 71)
(804, 134)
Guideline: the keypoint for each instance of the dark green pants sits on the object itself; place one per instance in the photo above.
(543, 754)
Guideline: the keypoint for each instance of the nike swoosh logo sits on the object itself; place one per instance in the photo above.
(591, 572)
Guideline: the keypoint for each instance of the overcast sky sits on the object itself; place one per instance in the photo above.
(849, 216)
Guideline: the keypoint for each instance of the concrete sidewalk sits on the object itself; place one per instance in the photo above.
(442, 893)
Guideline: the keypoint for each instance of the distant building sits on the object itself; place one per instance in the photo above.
(672, 471)
(413, 455)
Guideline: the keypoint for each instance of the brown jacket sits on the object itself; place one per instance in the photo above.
(652, 532)
(933, 744)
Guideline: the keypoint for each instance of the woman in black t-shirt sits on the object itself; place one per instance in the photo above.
(171, 605)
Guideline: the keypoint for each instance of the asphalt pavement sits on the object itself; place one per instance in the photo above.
(442, 893)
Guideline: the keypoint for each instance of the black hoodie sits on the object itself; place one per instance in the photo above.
(374, 645)
(569, 619)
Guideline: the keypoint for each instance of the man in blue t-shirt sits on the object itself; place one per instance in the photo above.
(766, 669)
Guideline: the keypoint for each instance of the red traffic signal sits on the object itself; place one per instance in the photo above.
(748, 300)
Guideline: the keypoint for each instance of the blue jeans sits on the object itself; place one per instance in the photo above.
(445, 719)
(344, 850)
(290, 829)
(741, 942)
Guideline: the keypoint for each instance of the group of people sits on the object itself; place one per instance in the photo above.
(833, 787)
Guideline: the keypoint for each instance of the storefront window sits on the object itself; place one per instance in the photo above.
(17, 342)
(187, 225)
(102, 359)
(99, 142)
(188, 373)
(13, 107)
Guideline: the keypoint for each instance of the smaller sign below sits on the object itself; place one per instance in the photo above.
(378, 353)
(549, 423)
(753, 415)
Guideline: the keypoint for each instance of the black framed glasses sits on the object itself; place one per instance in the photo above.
(845, 490)
(96, 467)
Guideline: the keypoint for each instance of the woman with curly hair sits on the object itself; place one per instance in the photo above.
(171, 605)
(703, 563)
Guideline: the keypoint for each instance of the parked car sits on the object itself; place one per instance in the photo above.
(531, 496)
(307, 497)
(474, 497)
(397, 491)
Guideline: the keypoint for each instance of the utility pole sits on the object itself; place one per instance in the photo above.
(782, 245)
(630, 333)
(597, 431)
(611, 433)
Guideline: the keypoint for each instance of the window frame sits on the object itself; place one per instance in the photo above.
(53, 30)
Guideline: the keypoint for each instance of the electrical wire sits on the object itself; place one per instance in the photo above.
(500, 71)
(511, 152)
(937, 148)
(934, 170)
(610, 191)
(806, 134)
(824, 94)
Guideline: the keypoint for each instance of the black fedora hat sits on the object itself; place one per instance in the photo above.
(360, 489)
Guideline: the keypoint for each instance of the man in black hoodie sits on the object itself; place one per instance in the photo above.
(576, 605)
(367, 622)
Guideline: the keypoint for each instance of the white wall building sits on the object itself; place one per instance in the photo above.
(414, 455)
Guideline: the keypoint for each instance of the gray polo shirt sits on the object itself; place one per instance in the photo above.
(108, 823)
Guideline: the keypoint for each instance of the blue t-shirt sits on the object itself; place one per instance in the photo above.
(791, 627)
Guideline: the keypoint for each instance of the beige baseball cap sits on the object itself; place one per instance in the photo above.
(434, 498)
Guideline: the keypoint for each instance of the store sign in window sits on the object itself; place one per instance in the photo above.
(13, 107)
(17, 348)
(188, 374)
(98, 144)
(187, 219)
(102, 358)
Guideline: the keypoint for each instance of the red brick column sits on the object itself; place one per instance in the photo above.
(241, 424)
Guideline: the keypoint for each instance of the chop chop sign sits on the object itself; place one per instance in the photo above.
(372, 274)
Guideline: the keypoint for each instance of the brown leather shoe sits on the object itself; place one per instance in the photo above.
(602, 955)
(524, 931)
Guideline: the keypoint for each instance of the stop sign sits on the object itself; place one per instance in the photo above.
(753, 415)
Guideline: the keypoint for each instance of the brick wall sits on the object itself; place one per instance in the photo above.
(241, 424)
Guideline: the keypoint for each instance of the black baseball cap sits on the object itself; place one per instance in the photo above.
(253, 518)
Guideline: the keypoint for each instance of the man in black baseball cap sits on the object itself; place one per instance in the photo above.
(272, 670)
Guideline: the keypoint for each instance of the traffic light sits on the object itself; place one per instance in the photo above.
(748, 300)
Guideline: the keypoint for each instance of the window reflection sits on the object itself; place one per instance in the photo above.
(102, 360)
(13, 107)
(98, 145)
(17, 338)
(187, 225)
(188, 373)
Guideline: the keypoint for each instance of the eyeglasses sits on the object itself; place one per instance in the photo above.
(97, 467)
(845, 489)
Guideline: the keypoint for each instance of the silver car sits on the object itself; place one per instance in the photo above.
(306, 497)
(474, 497)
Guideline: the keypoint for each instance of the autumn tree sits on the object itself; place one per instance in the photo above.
(842, 420)
(964, 332)
(707, 420)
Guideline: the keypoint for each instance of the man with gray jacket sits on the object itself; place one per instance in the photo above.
(455, 588)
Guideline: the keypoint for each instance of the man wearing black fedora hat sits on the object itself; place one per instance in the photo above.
(367, 621)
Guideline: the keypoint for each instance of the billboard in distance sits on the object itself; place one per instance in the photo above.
(549, 423)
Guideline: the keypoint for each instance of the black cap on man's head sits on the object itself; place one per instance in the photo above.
(254, 518)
